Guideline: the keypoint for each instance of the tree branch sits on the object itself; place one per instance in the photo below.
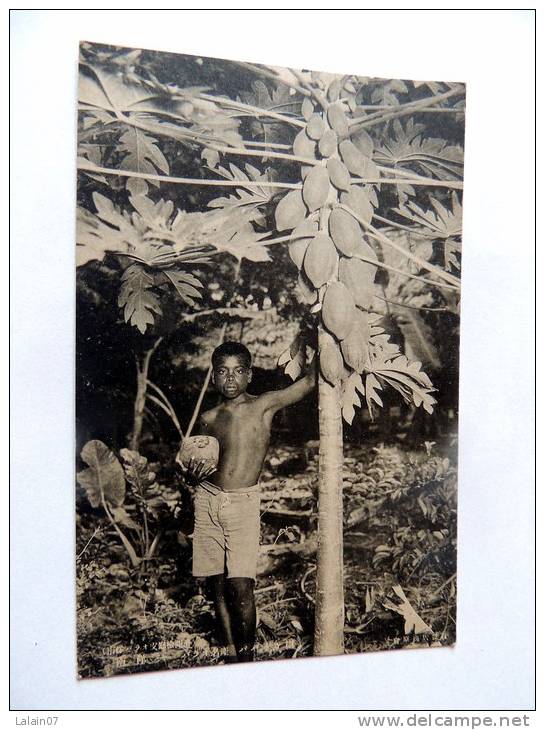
(277, 145)
(411, 229)
(382, 265)
(253, 110)
(167, 410)
(430, 181)
(410, 306)
(452, 280)
(186, 180)
(242, 151)
(268, 74)
(388, 107)
(373, 119)
(310, 89)
(164, 403)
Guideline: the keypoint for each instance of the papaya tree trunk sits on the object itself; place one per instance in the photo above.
(329, 619)
(142, 370)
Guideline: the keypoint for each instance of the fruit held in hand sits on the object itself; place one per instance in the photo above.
(199, 448)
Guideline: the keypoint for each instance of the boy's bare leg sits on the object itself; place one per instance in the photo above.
(217, 585)
(241, 603)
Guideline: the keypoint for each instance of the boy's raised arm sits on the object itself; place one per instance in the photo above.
(274, 400)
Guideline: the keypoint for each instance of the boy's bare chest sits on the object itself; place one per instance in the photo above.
(245, 422)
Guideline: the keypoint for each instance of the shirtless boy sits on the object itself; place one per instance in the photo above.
(227, 500)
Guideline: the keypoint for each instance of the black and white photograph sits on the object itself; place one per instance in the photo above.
(267, 342)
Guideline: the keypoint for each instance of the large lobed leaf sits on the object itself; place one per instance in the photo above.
(278, 100)
(136, 297)
(134, 113)
(388, 366)
(94, 240)
(441, 221)
(385, 93)
(151, 496)
(140, 153)
(137, 471)
(350, 398)
(247, 201)
(408, 379)
(185, 284)
(104, 478)
(407, 148)
(165, 243)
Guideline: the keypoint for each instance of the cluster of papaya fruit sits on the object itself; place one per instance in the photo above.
(328, 245)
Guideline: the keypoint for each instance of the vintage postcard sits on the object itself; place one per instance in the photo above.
(268, 288)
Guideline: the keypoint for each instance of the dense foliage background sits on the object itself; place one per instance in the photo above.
(158, 289)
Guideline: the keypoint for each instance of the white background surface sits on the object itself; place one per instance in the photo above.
(491, 666)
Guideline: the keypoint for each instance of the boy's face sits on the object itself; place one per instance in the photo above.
(231, 376)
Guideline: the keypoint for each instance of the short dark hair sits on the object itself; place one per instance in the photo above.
(229, 348)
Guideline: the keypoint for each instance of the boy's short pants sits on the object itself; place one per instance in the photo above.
(226, 535)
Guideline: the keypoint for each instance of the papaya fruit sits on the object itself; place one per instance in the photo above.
(371, 171)
(337, 119)
(327, 145)
(359, 278)
(363, 142)
(320, 259)
(307, 108)
(300, 238)
(315, 127)
(364, 252)
(338, 310)
(316, 188)
(344, 231)
(355, 346)
(352, 157)
(303, 146)
(331, 360)
(338, 174)
(290, 211)
(304, 291)
(357, 199)
(333, 90)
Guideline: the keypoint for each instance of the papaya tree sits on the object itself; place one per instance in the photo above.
(332, 166)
